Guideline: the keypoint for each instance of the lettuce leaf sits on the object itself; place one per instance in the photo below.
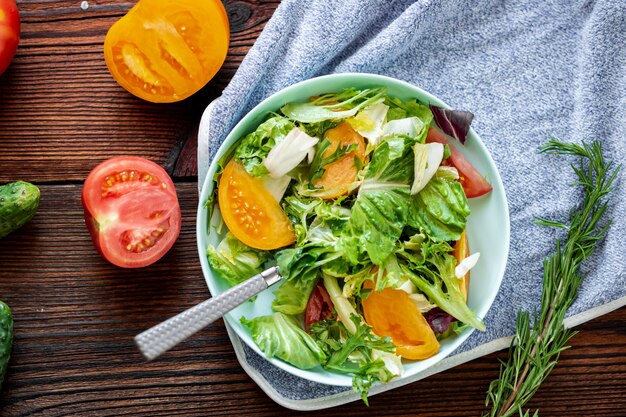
(303, 263)
(410, 108)
(255, 146)
(381, 209)
(410, 126)
(279, 335)
(319, 128)
(369, 122)
(292, 296)
(440, 208)
(235, 261)
(384, 206)
(289, 152)
(333, 106)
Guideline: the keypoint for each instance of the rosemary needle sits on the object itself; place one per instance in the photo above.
(536, 348)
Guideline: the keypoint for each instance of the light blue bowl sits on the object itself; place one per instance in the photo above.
(488, 225)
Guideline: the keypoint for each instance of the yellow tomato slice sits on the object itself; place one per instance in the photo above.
(461, 251)
(339, 175)
(166, 50)
(391, 313)
(250, 212)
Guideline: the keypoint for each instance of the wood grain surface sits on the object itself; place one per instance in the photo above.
(76, 315)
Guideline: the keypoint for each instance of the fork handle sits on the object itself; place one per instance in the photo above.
(162, 337)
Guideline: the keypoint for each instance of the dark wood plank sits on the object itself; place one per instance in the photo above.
(76, 315)
(61, 112)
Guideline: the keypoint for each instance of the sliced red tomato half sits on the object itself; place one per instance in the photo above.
(131, 211)
(474, 184)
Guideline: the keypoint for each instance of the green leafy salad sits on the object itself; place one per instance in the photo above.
(361, 201)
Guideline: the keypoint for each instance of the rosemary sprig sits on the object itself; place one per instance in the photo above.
(535, 349)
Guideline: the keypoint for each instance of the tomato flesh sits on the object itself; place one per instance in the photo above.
(131, 211)
(391, 313)
(166, 50)
(473, 183)
(9, 32)
(250, 212)
(319, 306)
(339, 175)
(461, 251)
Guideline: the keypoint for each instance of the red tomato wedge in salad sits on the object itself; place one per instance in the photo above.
(131, 211)
(474, 184)
(319, 306)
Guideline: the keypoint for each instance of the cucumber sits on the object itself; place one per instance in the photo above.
(19, 202)
(6, 338)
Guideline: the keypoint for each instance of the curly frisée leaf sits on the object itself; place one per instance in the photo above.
(411, 108)
(235, 261)
(432, 272)
(359, 353)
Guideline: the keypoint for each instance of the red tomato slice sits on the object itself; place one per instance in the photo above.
(473, 183)
(319, 306)
(131, 211)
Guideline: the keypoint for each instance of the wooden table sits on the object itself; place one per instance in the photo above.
(75, 315)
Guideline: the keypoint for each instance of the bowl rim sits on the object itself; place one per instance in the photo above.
(202, 220)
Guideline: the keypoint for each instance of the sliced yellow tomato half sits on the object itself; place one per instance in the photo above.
(166, 50)
(250, 212)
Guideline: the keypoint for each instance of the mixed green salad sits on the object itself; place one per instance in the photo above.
(360, 199)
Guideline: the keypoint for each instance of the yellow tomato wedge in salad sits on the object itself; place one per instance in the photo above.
(339, 175)
(461, 251)
(391, 313)
(250, 212)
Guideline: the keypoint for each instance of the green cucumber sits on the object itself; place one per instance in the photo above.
(6, 338)
(19, 202)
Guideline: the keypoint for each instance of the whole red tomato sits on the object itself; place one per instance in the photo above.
(9, 32)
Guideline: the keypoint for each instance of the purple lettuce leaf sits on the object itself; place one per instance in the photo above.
(455, 123)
